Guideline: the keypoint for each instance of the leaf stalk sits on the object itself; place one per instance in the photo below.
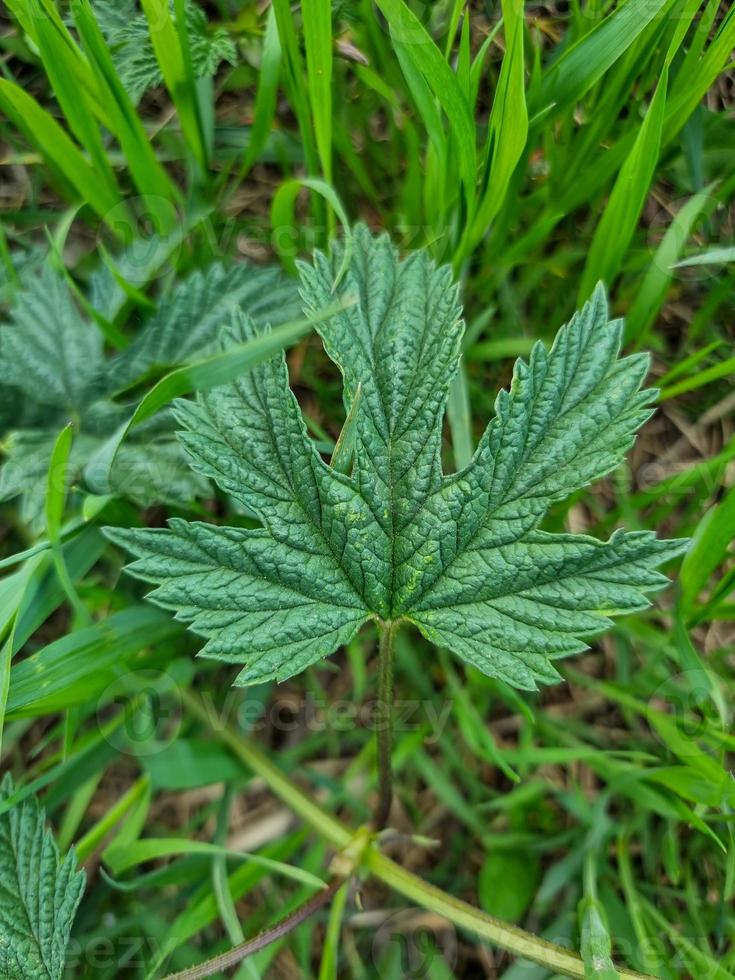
(501, 934)
(384, 724)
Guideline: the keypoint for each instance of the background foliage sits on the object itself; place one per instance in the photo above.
(153, 158)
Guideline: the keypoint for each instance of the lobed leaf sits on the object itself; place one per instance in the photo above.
(461, 556)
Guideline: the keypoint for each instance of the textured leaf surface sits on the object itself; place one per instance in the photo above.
(461, 556)
(52, 370)
(190, 320)
(128, 33)
(48, 351)
(39, 894)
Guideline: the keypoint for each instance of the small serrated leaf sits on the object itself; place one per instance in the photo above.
(39, 893)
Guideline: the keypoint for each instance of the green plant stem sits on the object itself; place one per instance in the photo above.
(384, 725)
(495, 931)
(271, 935)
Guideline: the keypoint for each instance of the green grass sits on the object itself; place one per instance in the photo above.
(536, 156)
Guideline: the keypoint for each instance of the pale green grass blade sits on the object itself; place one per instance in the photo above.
(33, 19)
(60, 152)
(77, 668)
(122, 858)
(407, 30)
(595, 940)
(585, 63)
(128, 805)
(712, 540)
(317, 18)
(424, 99)
(56, 490)
(172, 62)
(690, 87)
(330, 953)
(508, 128)
(283, 218)
(147, 173)
(464, 58)
(197, 92)
(460, 419)
(199, 375)
(712, 256)
(57, 483)
(617, 226)
(652, 292)
(722, 370)
(479, 63)
(59, 62)
(294, 78)
(265, 99)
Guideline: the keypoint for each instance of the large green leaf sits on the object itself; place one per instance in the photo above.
(39, 894)
(460, 556)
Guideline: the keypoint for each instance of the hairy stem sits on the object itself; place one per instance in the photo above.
(271, 935)
(495, 931)
(384, 726)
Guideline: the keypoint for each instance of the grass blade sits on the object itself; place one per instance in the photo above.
(208, 372)
(147, 173)
(710, 257)
(710, 545)
(408, 31)
(61, 154)
(651, 294)
(176, 71)
(317, 16)
(508, 127)
(265, 99)
(585, 63)
(617, 226)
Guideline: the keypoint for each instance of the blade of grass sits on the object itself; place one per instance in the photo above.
(710, 257)
(171, 57)
(60, 153)
(200, 375)
(330, 952)
(595, 941)
(587, 61)
(651, 294)
(460, 419)
(122, 858)
(317, 25)
(408, 31)
(265, 98)
(75, 669)
(722, 370)
(508, 127)
(617, 225)
(147, 173)
(59, 59)
(284, 224)
(294, 79)
(710, 545)
(56, 489)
